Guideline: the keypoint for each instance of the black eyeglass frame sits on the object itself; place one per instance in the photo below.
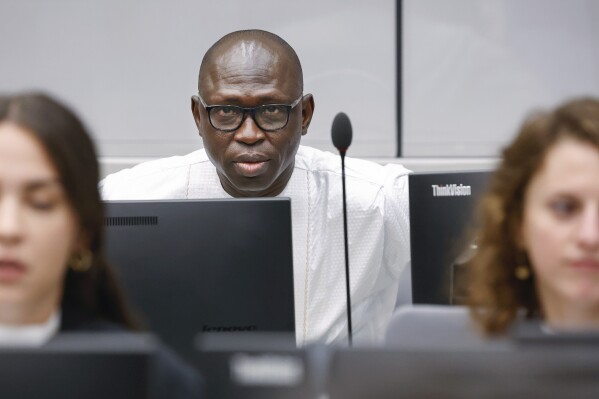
(252, 111)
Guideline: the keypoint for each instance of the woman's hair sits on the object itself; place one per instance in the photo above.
(94, 292)
(495, 294)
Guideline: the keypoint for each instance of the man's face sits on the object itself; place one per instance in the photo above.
(251, 161)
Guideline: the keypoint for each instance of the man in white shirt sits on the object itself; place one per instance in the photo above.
(251, 113)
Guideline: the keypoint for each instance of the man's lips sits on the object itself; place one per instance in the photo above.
(251, 165)
(251, 157)
(251, 169)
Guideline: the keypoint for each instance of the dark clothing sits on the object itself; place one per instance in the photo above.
(169, 376)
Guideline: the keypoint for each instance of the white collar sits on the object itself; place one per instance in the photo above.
(30, 335)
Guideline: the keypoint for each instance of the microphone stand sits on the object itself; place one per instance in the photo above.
(341, 133)
(349, 325)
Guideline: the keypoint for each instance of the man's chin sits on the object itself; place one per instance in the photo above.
(258, 186)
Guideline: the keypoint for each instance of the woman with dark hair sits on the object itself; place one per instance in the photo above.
(53, 272)
(538, 244)
(48, 176)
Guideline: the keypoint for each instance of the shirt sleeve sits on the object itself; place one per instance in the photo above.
(396, 254)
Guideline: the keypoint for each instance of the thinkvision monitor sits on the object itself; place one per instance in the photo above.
(442, 207)
(194, 267)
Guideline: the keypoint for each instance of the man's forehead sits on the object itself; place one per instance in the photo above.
(249, 60)
(249, 53)
(245, 58)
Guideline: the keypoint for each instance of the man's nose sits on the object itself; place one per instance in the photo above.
(588, 232)
(249, 133)
(11, 223)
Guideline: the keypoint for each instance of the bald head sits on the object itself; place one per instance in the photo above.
(250, 51)
(254, 78)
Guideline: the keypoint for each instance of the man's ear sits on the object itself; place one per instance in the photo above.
(307, 112)
(195, 110)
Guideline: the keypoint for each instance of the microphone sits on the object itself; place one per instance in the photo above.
(341, 133)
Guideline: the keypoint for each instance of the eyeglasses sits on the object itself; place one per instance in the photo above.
(268, 117)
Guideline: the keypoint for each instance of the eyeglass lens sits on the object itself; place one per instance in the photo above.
(267, 117)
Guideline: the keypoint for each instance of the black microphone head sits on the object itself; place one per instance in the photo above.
(341, 132)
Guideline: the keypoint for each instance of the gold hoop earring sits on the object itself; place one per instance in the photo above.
(81, 261)
(522, 272)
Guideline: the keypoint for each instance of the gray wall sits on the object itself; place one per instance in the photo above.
(131, 66)
(472, 68)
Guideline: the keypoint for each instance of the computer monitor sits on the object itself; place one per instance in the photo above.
(548, 373)
(256, 374)
(73, 366)
(534, 332)
(441, 214)
(205, 266)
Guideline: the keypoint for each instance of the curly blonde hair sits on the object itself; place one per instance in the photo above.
(496, 296)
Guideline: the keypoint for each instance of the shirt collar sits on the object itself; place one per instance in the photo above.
(30, 335)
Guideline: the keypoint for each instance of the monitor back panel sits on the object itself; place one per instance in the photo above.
(256, 374)
(73, 366)
(442, 205)
(549, 373)
(205, 266)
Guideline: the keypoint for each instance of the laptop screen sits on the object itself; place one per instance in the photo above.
(442, 205)
(205, 266)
